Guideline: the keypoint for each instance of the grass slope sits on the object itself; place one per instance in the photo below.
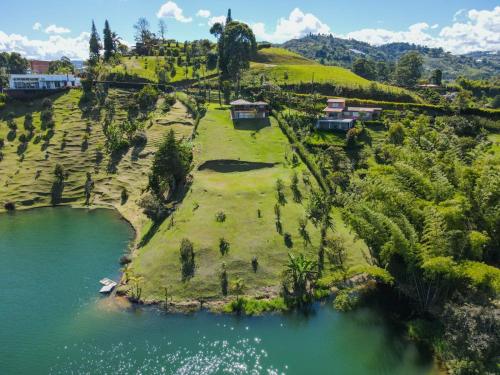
(274, 63)
(147, 66)
(281, 56)
(26, 180)
(239, 194)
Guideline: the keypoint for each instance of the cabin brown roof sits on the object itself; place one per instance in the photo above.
(246, 102)
(241, 102)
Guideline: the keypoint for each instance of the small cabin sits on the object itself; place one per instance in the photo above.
(243, 109)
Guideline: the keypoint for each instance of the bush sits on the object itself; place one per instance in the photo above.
(187, 259)
(252, 306)
(9, 206)
(153, 207)
(255, 263)
(223, 246)
(46, 103)
(124, 196)
(345, 300)
(140, 139)
(220, 217)
(147, 97)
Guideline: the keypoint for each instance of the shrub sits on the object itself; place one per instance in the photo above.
(170, 99)
(147, 97)
(46, 103)
(187, 259)
(220, 217)
(255, 263)
(124, 196)
(140, 139)
(345, 300)
(287, 237)
(153, 207)
(9, 206)
(223, 279)
(223, 246)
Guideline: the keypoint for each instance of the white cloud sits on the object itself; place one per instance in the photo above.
(52, 48)
(479, 32)
(216, 19)
(172, 10)
(458, 13)
(203, 13)
(54, 29)
(435, 26)
(296, 25)
(37, 26)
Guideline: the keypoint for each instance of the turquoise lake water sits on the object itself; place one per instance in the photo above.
(53, 320)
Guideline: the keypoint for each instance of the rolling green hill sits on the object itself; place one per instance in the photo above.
(282, 67)
(343, 52)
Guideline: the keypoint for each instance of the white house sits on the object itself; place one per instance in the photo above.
(42, 81)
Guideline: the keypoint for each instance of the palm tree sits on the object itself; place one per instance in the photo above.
(238, 287)
(300, 272)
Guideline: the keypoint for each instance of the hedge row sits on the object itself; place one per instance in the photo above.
(373, 91)
(302, 151)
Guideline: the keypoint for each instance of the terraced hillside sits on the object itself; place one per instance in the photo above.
(236, 170)
(78, 144)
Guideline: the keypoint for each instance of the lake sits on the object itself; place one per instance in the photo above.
(53, 320)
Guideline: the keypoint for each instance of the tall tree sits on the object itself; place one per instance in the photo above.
(239, 47)
(409, 69)
(229, 18)
(162, 30)
(94, 44)
(217, 30)
(365, 68)
(437, 77)
(109, 45)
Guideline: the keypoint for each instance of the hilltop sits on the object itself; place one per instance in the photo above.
(285, 68)
(343, 52)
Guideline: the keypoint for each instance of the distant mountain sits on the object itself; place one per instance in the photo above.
(336, 51)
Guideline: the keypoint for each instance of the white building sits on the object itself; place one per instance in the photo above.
(42, 81)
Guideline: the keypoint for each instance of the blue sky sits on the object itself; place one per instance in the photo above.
(50, 28)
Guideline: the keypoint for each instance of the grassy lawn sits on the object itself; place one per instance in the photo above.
(244, 162)
(280, 56)
(27, 180)
(147, 66)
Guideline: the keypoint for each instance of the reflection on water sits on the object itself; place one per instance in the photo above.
(54, 321)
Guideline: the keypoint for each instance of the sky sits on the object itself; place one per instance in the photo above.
(50, 29)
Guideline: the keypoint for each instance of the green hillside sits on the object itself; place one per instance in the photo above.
(78, 144)
(283, 67)
(147, 67)
(235, 172)
(281, 56)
